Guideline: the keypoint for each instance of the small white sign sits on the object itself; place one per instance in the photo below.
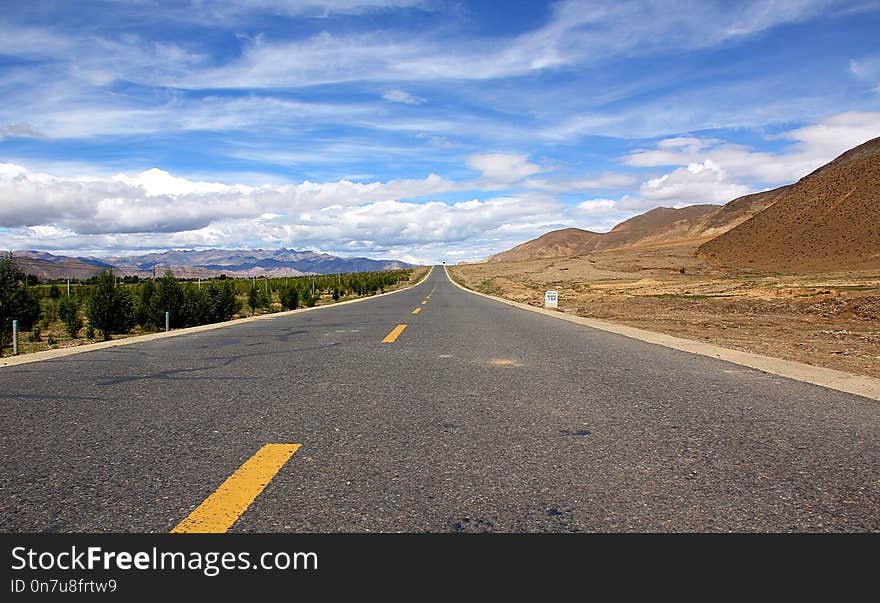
(551, 299)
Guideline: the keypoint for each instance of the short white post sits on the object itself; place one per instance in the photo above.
(551, 299)
(15, 338)
(167, 321)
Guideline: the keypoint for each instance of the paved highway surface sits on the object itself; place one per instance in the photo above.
(476, 417)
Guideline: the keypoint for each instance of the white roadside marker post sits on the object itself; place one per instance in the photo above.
(15, 338)
(167, 321)
(551, 299)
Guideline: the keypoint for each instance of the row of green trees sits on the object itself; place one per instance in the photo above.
(113, 307)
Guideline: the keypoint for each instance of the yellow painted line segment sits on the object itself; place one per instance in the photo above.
(417, 310)
(226, 504)
(424, 302)
(394, 334)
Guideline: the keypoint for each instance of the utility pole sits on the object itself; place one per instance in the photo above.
(68, 286)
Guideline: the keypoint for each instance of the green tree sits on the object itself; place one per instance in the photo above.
(289, 297)
(307, 297)
(110, 308)
(144, 313)
(54, 291)
(197, 308)
(169, 297)
(257, 297)
(17, 301)
(68, 312)
(223, 302)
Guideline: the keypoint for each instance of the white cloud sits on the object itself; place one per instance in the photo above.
(223, 9)
(156, 182)
(71, 114)
(157, 210)
(697, 183)
(503, 168)
(812, 146)
(156, 201)
(598, 207)
(577, 32)
(402, 96)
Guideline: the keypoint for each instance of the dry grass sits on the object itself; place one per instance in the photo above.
(829, 319)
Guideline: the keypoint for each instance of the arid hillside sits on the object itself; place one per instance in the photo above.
(660, 226)
(829, 220)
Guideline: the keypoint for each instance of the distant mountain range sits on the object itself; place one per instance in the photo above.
(828, 220)
(206, 263)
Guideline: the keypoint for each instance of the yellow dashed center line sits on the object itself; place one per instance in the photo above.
(223, 508)
(417, 310)
(424, 302)
(394, 334)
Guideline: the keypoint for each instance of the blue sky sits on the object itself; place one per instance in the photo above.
(421, 130)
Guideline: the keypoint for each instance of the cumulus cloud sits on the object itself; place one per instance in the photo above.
(502, 168)
(157, 210)
(402, 96)
(811, 146)
(598, 207)
(697, 183)
(156, 201)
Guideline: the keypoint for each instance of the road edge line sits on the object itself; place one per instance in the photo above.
(113, 343)
(859, 385)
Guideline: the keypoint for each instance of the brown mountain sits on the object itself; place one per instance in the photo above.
(659, 226)
(828, 220)
(556, 243)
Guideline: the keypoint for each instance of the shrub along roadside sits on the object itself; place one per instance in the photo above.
(110, 308)
(17, 302)
(68, 313)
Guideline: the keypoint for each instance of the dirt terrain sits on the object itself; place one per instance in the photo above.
(828, 319)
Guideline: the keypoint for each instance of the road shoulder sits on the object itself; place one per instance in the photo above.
(859, 385)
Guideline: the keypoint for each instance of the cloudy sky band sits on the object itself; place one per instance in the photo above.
(411, 129)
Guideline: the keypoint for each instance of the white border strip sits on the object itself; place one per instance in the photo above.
(859, 385)
(113, 343)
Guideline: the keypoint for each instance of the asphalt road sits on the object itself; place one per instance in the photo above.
(478, 417)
